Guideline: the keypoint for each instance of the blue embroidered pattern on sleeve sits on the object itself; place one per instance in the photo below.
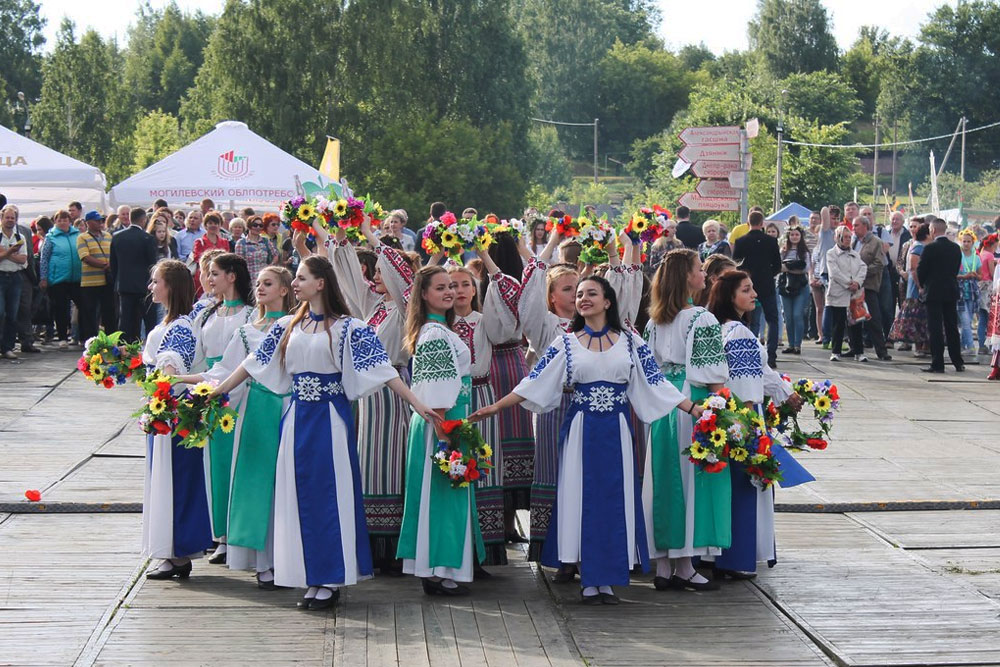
(366, 349)
(649, 366)
(549, 355)
(267, 346)
(179, 339)
(743, 355)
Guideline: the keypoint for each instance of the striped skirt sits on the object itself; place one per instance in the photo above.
(517, 441)
(489, 488)
(546, 472)
(383, 424)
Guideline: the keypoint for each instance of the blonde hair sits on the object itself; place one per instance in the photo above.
(708, 224)
(284, 277)
(554, 275)
(455, 268)
(208, 257)
(416, 311)
(670, 285)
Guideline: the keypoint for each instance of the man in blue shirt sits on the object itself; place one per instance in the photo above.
(192, 232)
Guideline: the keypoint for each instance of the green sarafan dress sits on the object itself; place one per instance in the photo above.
(687, 510)
(440, 536)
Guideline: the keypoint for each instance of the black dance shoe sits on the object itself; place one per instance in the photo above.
(438, 588)
(688, 585)
(566, 574)
(179, 571)
(609, 598)
(315, 604)
(594, 599)
(721, 573)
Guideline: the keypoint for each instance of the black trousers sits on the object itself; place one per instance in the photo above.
(60, 296)
(29, 293)
(98, 308)
(838, 316)
(136, 310)
(942, 324)
(874, 326)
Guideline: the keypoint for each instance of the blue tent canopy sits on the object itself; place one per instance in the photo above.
(788, 211)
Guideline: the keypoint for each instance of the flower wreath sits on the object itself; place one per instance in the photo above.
(464, 455)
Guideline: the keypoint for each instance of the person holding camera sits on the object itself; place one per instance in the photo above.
(793, 286)
(14, 252)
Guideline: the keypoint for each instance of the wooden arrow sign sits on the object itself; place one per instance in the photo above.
(717, 189)
(714, 153)
(698, 203)
(710, 135)
(714, 169)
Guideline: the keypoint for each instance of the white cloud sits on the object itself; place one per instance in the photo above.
(111, 18)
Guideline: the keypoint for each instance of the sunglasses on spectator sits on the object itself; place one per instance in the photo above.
(256, 225)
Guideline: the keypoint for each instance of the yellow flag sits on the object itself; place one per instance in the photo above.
(329, 166)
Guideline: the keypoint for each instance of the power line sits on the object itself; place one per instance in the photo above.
(558, 122)
(889, 145)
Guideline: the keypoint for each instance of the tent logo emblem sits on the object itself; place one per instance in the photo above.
(233, 166)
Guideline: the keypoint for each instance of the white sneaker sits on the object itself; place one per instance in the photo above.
(860, 357)
(834, 357)
(9, 354)
(63, 345)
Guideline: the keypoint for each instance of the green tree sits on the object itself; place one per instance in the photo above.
(551, 168)
(695, 55)
(271, 64)
(80, 112)
(814, 176)
(20, 48)
(809, 96)
(156, 136)
(6, 109)
(793, 36)
(164, 53)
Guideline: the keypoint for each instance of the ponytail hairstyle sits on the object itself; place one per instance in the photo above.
(720, 298)
(334, 306)
(670, 285)
(452, 270)
(416, 311)
(614, 320)
(284, 277)
(234, 264)
(180, 285)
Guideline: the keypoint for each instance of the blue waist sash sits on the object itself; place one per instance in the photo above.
(315, 387)
(599, 398)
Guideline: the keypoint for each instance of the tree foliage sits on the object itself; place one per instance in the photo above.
(793, 36)
(157, 135)
(20, 48)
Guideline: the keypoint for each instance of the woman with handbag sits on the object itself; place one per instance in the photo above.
(847, 273)
(796, 266)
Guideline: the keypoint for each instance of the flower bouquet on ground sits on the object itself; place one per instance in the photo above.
(595, 237)
(108, 362)
(298, 214)
(443, 236)
(824, 398)
(464, 455)
(565, 226)
(720, 429)
(199, 414)
(159, 415)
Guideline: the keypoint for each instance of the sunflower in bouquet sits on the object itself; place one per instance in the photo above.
(159, 414)
(199, 414)
(824, 398)
(720, 429)
(443, 236)
(595, 237)
(108, 362)
(298, 214)
(348, 213)
(464, 456)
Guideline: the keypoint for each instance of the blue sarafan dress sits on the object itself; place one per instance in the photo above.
(750, 379)
(597, 519)
(320, 537)
(175, 521)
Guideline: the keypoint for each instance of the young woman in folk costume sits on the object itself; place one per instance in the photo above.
(993, 327)
(207, 300)
(326, 359)
(687, 510)
(440, 538)
(480, 328)
(175, 520)
(377, 293)
(230, 283)
(256, 436)
(508, 367)
(750, 379)
(597, 520)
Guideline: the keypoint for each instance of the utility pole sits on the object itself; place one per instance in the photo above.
(875, 166)
(595, 150)
(894, 148)
(961, 170)
(777, 172)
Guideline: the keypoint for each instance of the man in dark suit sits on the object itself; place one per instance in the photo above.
(761, 258)
(687, 232)
(133, 253)
(937, 274)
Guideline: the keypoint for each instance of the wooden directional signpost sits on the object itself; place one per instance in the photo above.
(719, 156)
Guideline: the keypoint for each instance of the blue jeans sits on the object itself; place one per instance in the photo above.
(984, 319)
(966, 311)
(795, 315)
(767, 311)
(10, 301)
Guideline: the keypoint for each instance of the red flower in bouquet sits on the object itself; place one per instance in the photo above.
(471, 471)
(108, 382)
(718, 466)
(448, 219)
(161, 427)
(816, 443)
(135, 363)
(725, 393)
(83, 365)
(833, 393)
(451, 424)
(764, 445)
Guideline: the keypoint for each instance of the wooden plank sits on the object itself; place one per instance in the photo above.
(411, 644)
(382, 635)
(351, 643)
(439, 634)
(559, 651)
(493, 634)
(524, 640)
(932, 529)
(467, 638)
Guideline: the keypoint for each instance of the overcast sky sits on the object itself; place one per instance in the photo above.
(720, 24)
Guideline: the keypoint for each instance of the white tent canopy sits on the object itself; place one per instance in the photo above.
(230, 165)
(40, 181)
